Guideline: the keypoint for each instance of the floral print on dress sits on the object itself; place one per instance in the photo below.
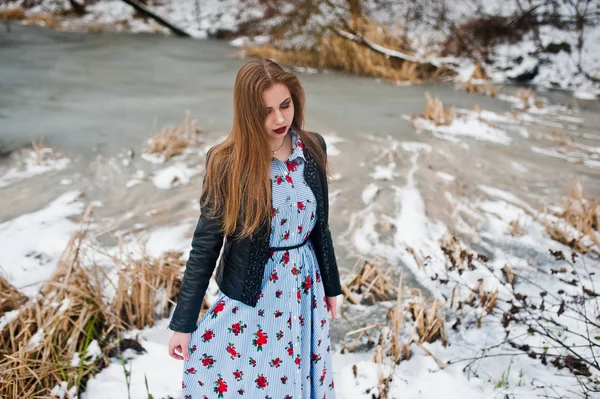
(279, 349)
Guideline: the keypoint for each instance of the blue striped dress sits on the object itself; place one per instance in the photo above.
(279, 349)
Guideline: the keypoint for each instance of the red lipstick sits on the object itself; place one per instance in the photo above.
(280, 130)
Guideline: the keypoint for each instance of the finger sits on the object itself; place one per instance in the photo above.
(174, 354)
(186, 353)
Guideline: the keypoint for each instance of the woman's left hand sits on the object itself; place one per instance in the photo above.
(331, 305)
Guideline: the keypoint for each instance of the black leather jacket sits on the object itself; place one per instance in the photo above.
(241, 266)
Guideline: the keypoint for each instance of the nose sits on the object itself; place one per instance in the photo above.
(279, 117)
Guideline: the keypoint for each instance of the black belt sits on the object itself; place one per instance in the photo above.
(288, 248)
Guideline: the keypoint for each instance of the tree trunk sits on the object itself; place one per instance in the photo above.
(139, 7)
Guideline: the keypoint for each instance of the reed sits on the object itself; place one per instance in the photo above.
(435, 111)
(173, 140)
(13, 14)
(578, 223)
(337, 53)
(10, 297)
(55, 336)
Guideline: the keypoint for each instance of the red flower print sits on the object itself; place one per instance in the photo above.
(298, 295)
(220, 386)
(188, 396)
(208, 361)
(183, 385)
(297, 360)
(312, 215)
(278, 293)
(315, 358)
(278, 313)
(271, 254)
(284, 379)
(298, 143)
(319, 342)
(273, 212)
(237, 328)
(299, 229)
(201, 383)
(191, 370)
(291, 166)
(286, 257)
(332, 385)
(260, 294)
(278, 179)
(261, 382)
(237, 374)
(322, 378)
(323, 321)
(232, 351)
(208, 335)
(287, 397)
(288, 178)
(301, 320)
(275, 363)
(286, 235)
(279, 335)
(241, 391)
(301, 206)
(314, 302)
(252, 362)
(235, 309)
(260, 339)
(295, 271)
(261, 312)
(306, 284)
(318, 277)
(282, 222)
(192, 349)
(273, 277)
(290, 348)
(218, 309)
(289, 322)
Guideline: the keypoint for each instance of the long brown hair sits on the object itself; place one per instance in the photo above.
(237, 183)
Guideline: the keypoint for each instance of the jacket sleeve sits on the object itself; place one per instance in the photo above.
(331, 279)
(206, 246)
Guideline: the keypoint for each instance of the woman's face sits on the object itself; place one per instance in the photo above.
(280, 110)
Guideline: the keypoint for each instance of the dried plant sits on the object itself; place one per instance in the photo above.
(435, 111)
(48, 341)
(337, 53)
(10, 297)
(579, 220)
(370, 284)
(529, 99)
(173, 140)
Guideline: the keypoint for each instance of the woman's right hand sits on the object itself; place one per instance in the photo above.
(180, 341)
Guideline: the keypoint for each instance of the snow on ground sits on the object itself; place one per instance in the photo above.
(173, 176)
(507, 371)
(32, 243)
(29, 164)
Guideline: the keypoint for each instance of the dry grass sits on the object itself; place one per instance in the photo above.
(580, 219)
(337, 53)
(10, 297)
(529, 99)
(13, 14)
(173, 140)
(370, 284)
(435, 112)
(485, 89)
(515, 229)
(428, 319)
(69, 330)
(51, 331)
(146, 287)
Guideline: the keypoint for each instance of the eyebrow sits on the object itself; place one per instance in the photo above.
(287, 99)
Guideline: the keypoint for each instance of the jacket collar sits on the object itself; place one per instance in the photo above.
(297, 146)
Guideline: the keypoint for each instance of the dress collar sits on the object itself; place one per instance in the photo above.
(297, 146)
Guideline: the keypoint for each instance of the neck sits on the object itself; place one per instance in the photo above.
(277, 143)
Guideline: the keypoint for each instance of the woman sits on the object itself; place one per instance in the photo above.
(265, 195)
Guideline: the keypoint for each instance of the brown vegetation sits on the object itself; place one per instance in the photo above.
(10, 297)
(435, 112)
(338, 53)
(173, 140)
(68, 332)
(578, 223)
